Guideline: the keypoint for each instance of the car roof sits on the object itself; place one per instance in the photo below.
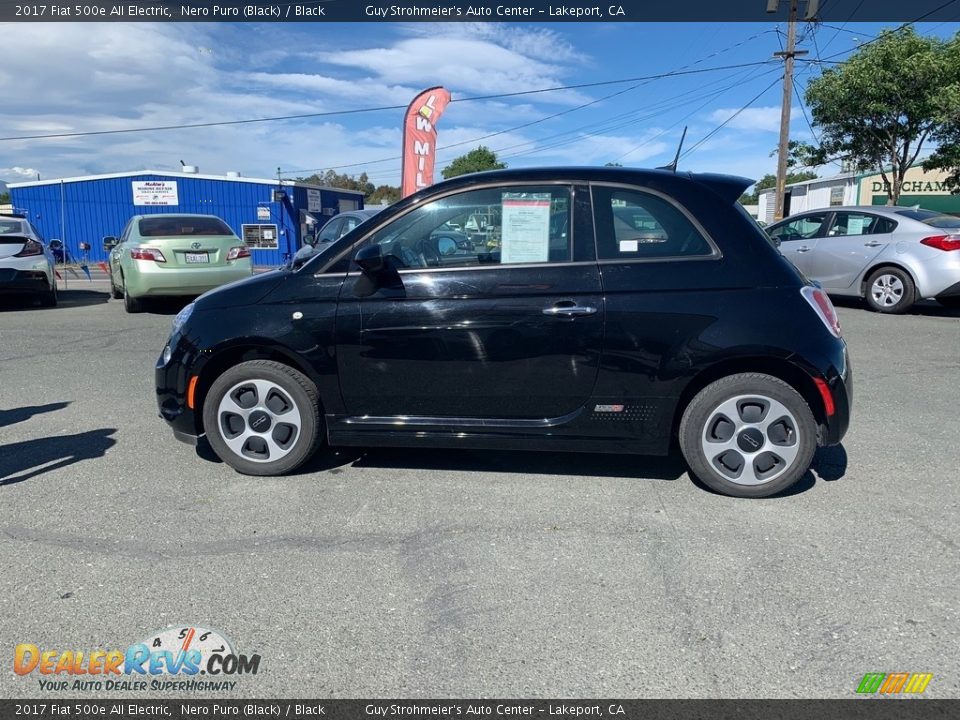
(176, 215)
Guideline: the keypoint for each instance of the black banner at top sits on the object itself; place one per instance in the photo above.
(834, 11)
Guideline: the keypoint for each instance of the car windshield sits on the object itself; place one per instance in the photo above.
(10, 226)
(179, 226)
(932, 218)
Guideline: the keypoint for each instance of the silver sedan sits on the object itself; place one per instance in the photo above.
(891, 256)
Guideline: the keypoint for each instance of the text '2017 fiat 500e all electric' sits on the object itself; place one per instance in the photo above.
(606, 310)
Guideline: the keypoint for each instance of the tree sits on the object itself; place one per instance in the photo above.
(483, 158)
(878, 108)
(371, 193)
(769, 181)
(947, 155)
(4, 198)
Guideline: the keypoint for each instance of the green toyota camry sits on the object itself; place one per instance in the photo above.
(161, 255)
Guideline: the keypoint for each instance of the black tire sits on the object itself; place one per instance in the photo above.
(890, 290)
(287, 391)
(49, 298)
(786, 446)
(114, 293)
(131, 304)
(952, 303)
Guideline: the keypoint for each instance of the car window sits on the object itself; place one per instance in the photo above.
(501, 226)
(125, 235)
(11, 226)
(349, 224)
(180, 226)
(857, 223)
(330, 231)
(931, 218)
(632, 224)
(801, 228)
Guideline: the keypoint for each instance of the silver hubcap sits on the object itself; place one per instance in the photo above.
(887, 290)
(751, 439)
(259, 421)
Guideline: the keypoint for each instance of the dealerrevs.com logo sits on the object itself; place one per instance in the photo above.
(181, 658)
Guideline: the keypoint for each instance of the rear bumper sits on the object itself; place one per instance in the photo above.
(16, 282)
(840, 388)
(147, 279)
(950, 292)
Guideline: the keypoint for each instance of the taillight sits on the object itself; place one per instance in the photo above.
(30, 247)
(238, 252)
(942, 242)
(820, 302)
(145, 253)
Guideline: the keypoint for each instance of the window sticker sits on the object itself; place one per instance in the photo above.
(526, 227)
(629, 245)
(855, 226)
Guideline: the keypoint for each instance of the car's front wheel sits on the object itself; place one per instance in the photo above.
(263, 418)
(890, 290)
(748, 435)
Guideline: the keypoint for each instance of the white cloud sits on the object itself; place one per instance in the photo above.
(762, 119)
(17, 174)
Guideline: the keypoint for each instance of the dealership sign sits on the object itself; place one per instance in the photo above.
(155, 192)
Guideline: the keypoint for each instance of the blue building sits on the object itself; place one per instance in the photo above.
(273, 217)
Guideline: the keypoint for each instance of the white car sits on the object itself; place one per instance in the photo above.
(891, 256)
(26, 262)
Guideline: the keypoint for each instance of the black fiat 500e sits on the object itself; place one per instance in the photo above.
(598, 310)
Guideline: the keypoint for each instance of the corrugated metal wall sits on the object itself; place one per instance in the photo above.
(87, 210)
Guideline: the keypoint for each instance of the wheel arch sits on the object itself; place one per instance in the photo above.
(883, 263)
(228, 357)
(790, 373)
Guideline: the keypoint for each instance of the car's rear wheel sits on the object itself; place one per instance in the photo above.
(130, 303)
(49, 298)
(748, 435)
(890, 290)
(263, 418)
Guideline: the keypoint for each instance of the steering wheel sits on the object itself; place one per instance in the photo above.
(429, 252)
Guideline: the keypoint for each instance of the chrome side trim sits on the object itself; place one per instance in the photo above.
(455, 422)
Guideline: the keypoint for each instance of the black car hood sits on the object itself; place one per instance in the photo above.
(248, 291)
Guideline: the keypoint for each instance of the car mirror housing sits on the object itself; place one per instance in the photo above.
(370, 259)
(109, 242)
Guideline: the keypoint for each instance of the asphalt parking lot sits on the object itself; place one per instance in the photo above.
(393, 573)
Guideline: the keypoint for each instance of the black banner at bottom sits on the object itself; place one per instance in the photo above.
(867, 708)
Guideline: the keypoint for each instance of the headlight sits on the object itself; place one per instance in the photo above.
(180, 320)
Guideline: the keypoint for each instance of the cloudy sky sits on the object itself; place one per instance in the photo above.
(69, 78)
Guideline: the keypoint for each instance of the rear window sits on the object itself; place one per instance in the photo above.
(10, 226)
(932, 218)
(179, 226)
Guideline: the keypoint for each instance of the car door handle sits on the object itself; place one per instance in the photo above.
(872, 243)
(569, 310)
(803, 248)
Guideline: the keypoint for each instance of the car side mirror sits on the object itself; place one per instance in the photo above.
(776, 241)
(109, 243)
(370, 259)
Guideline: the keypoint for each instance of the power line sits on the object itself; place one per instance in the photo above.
(357, 111)
(725, 122)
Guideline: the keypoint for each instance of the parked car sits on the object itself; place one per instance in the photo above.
(26, 262)
(587, 335)
(891, 256)
(334, 229)
(173, 255)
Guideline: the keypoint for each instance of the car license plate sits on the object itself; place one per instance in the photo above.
(200, 257)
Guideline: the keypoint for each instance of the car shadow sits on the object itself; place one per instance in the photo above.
(26, 460)
(18, 415)
(514, 461)
(929, 308)
(82, 298)
(165, 305)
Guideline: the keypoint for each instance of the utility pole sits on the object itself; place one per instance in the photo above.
(788, 56)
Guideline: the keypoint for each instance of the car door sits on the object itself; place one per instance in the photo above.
(116, 253)
(508, 331)
(852, 241)
(798, 238)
